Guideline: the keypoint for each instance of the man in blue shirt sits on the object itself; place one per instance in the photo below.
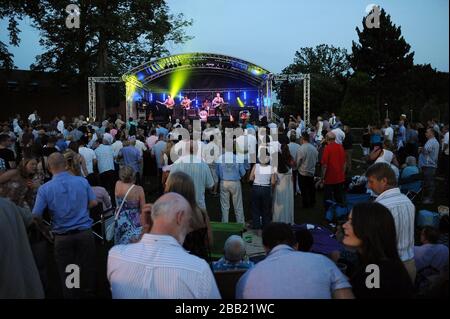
(289, 274)
(428, 160)
(132, 157)
(230, 173)
(162, 130)
(68, 199)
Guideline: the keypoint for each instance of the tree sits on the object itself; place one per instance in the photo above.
(358, 107)
(329, 69)
(114, 35)
(12, 11)
(384, 55)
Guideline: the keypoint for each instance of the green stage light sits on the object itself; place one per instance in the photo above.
(177, 81)
(241, 104)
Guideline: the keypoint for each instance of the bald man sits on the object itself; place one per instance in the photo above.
(68, 199)
(158, 267)
(333, 170)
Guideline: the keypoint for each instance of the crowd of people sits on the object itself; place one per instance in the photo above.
(54, 176)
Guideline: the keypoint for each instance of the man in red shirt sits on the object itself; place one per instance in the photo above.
(333, 170)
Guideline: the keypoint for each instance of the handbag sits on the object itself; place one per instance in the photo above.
(110, 229)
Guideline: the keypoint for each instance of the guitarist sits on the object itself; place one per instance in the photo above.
(169, 103)
(186, 105)
(218, 103)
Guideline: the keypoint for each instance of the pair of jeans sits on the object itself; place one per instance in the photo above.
(334, 192)
(76, 249)
(308, 190)
(261, 206)
(428, 182)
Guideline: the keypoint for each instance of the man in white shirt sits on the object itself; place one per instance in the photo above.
(383, 182)
(60, 126)
(388, 131)
(158, 267)
(33, 117)
(332, 120)
(88, 154)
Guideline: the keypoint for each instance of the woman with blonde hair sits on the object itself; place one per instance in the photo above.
(75, 163)
(130, 201)
(198, 241)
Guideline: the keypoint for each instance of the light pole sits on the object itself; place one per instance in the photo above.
(387, 110)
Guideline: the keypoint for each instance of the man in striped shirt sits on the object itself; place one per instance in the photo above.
(158, 267)
(383, 182)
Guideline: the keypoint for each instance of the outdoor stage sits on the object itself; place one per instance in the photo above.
(244, 86)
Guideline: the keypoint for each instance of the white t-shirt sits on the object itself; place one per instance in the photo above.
(389, 133)
(60, 126)
(446, 142)
(340, 135)
(89, 157)
(386, 157)
(141, 147)
(32, 118)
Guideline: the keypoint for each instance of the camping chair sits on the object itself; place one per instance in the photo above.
(220, 233)
(338, 212)
(227, 280)
(411, 186)
(100, 220)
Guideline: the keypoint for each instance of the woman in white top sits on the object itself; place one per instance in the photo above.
(263, 177)
(283, 198)
(385, 155)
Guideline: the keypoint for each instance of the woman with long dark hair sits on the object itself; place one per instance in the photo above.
(283, 196)
(381, 274)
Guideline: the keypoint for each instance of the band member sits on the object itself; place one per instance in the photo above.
(218, 104)
(186, 104)
(206, 105)
(169, 103)
(203, 114)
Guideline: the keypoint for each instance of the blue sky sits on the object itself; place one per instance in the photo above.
(268, 32)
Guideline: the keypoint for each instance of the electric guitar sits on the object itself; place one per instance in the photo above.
(187, 106)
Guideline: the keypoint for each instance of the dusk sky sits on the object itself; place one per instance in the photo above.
(268, 32)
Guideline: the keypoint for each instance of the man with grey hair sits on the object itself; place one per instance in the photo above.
(158, 267)
(409, 179)
(234, 255)
(383, 182)
(333, 169)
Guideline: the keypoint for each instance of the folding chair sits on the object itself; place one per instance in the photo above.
(101, 220)
(411, 186)
(221, 232)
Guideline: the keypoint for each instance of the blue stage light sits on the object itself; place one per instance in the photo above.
(229, 95)
(245, 96)
(164, 96)
(151, 97)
